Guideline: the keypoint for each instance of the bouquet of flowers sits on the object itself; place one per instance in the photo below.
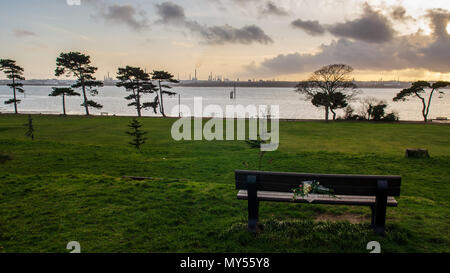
(311, 187)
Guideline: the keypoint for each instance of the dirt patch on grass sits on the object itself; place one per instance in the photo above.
(350, 217)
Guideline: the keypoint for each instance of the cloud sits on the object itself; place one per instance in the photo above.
(398, 13)
(439, 19)
(272, 9)
(125, 14)
(244, 2)
(18, 32)
(371, 27)
(171, 13)
(313, 28)
(415, 51)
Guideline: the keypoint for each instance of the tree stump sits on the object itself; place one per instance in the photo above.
(417, 153)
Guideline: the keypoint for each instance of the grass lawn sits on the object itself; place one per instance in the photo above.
(67, 186)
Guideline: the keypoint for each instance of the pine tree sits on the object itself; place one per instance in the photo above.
(15, 74)
(418, 90)
(63, 92)
(163, 77)
(79, 65)
(138, 82)
(138, 136)
(30, 127)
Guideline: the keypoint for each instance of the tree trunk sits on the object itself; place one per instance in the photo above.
(15, 98)
(138, 103)
(161, 103)
(64, 104)
(86, 106)
(425, 115)
(137, 100)
(334, 114)
(326, 113)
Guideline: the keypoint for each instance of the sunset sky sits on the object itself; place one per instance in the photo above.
(246, 39)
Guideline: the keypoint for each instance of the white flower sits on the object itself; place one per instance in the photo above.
(306, 189)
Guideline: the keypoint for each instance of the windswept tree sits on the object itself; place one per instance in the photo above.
(163, 78)
(139, 83)
(66, 91)
(419, 90)
(329, 87)
(79, 65)
(15, 74)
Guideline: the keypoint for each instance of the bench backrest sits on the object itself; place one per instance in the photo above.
(342, 184)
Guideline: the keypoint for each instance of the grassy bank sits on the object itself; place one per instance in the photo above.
(66, 186)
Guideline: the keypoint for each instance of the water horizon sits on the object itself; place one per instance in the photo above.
(292, 105)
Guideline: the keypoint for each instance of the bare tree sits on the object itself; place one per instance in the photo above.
(329, 87)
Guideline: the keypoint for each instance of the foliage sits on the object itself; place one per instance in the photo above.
(418, 89)
(15, 74)
(138, 136)
(376, 112)
(391, 117)
(329, 87)
(137, 81)
(373, 109)
(79, 65)
(163, 78)
(333, 101)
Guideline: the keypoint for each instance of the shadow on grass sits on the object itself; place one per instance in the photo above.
(293, 235)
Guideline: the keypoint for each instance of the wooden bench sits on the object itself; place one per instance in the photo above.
(375, 191)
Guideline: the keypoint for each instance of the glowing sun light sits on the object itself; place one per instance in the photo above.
(448, 28)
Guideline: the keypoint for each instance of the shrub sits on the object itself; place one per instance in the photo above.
(391, 117)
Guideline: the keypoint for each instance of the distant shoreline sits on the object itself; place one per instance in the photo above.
(434, 122)
(238, 85)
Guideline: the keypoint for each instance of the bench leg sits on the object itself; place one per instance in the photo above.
(253, 215)
(253, 203)
(379, 216)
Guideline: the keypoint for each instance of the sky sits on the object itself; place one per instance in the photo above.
(246, 39)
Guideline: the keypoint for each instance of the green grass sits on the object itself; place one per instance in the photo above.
(67, 186)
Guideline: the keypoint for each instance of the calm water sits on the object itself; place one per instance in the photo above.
(292, 105)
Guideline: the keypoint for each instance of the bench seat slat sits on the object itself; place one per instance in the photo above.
(357, 200)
